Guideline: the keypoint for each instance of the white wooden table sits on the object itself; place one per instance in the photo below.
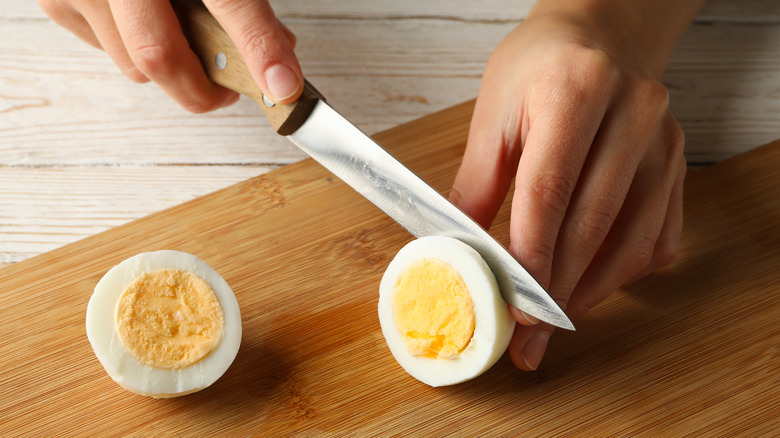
(83, 149)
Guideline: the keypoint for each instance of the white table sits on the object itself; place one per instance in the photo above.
(83, 149)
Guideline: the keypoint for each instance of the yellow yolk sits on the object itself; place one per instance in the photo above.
(433, 310)
(169, 318)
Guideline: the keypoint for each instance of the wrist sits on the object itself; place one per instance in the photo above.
(641, 34)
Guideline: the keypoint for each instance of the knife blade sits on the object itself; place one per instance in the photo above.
(368, 168)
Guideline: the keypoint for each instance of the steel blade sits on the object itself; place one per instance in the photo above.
(374, 173)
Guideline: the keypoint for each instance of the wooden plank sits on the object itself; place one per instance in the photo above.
(44, 209)
(691, 350)
(723, 85)
(755, 11)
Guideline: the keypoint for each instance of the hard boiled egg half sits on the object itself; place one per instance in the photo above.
(441, 311)
(164, 324)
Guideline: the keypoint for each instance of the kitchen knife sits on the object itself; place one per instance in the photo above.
(357, 160)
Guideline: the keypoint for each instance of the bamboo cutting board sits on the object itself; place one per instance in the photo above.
(692, 349)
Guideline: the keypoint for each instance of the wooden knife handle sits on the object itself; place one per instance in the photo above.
(224, 65)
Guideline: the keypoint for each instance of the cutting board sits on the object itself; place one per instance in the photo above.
(692, 349)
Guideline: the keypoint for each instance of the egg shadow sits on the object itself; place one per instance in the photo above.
(245, 392)
(621, 333)
(601, 342)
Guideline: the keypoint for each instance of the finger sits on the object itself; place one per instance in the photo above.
(564, 117)
(528, 345)
(521, 317)
(653, 203)
(547, 173)
(487, 169)
(627, 248)
(100, 22)
(264, 46)
(70, 19)
(154, 40)
(624, 137)
(668, 244)
(100, 18)
(582, 226)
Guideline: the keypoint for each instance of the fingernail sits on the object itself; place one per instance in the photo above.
(529, 318)
(455, 196)
(534, 349)
(281, 82)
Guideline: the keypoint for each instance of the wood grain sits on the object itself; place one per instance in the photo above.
(103, 197)
(691, 350)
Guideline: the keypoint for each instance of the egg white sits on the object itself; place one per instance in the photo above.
(493, 325)
(122, 366)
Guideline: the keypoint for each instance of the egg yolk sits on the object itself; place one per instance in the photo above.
(168, 318)
(433, 310)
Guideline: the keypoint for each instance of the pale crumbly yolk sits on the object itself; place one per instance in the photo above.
(168, 318)
(433, 310)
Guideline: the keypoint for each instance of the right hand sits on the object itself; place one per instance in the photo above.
(144, 39)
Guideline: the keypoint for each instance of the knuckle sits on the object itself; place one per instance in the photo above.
(582, 73)
(254, 35)
(593, 226)
(655, 93)
(669, 149)
(539, 257)
(653, 98)
(257, 41)
(199, 106)
(594, 66)
(230, 7)
(675, 137)
(153, 59)
(290, 35)
(552, 192)
(135, 75)
(641, 254)
(664, 253)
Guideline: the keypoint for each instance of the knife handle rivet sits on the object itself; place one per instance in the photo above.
(220, 60)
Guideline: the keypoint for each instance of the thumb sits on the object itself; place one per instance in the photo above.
(265, 44)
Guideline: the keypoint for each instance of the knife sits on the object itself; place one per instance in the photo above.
(364, 165)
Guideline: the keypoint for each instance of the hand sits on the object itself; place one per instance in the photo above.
(144, 39)
(571, 108)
